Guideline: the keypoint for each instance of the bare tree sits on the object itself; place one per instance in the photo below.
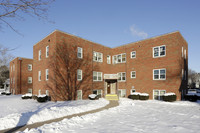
(17, 8)
(64, 65)
(192, 78)
(5, 58)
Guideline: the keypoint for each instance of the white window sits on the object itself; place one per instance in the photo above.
(29, 80)
(39, 75)
(47, 51)
(47, 74)
(47, 92)
(14, 67)
(108, 59)
(97, 76)
(80, 52)
(132, 91)
(122, 92)
(133, 54)
(182, 73)
(97, 56)
(11, 69)
(79, 74)
(79, 94)
(30, 90)
(39, 55)
(11, 80)
(133, 74)
(14, 80)
(98, 92)
(122, 76)
(157, 94)
(29, 67)
(39, 92)
(185, 54)
(159, 74)
(121, 58)
(182, 51)
(159, 51)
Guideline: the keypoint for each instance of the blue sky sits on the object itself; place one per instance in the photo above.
(111, 23)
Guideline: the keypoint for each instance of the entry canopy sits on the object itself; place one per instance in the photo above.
(110, 76)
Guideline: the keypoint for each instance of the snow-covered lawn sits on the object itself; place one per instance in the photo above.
(133, 116)
(15, 112)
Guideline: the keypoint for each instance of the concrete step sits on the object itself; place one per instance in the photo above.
(112, 97)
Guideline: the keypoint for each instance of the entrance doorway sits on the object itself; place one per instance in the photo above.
(111, 86)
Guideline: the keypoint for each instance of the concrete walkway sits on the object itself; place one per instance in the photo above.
(35, 125)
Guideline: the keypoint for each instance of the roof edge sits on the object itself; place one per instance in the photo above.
(147, 39)
(70, 35)
(22, 58)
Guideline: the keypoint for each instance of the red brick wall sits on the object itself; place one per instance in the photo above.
(143, 64)
(20, 85)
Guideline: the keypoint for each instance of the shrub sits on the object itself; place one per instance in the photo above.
(93, 97)
(42, 98)
(27, 96)
(8, 93)
(191, 97)
(169, 97)
(3, 93)
(134, 96)
(144, 96)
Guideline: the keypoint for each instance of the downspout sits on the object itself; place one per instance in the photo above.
(20, 60)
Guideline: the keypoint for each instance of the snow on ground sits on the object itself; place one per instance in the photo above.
(133, 116)
(15, 111)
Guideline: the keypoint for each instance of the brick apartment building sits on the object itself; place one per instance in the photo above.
(21, 74)
(155, 66)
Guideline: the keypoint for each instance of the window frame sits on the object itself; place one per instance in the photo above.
(97, 75)
(39, 92)
(185, 54)
(97, 55)
(121, 92)
(120, 79)
(39, 75)
(131, 91)
(30, 79)
(81, 52)
(132, 75)
(182, 51)
(47, 92)
(80, 74)
(108, 59)
(159, 51)
(119, 57)
(47, 51)
(39, 55)
(81, 94)
(31, 90)
(30, 67)
(133, 54)
(160, 74)
(159, 96)
(47, 74)
(97, 92)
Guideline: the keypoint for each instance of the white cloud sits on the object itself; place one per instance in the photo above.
(136, 32)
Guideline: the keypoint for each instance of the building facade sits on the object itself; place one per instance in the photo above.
(21, 75)
(155, 66)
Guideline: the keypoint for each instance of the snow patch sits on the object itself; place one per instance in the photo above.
(27, 95)
(92, 95)
(20, 112)
(169, 94)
